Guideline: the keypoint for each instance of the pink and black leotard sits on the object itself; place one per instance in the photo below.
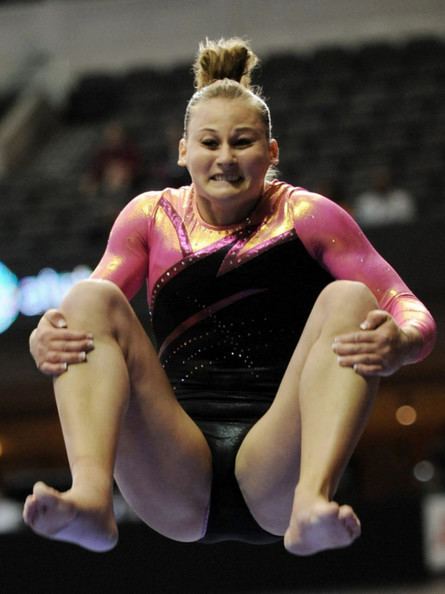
(228, 305)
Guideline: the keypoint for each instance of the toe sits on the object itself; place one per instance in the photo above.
(46, 497)
(29, 509)
(350, 521)
(41, 488)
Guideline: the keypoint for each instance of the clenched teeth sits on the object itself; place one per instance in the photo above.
(227, 178)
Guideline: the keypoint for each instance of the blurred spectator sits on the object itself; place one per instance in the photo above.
(330, 187)
(115, 166)
(384, 203)
(110, 179)
(166, 172)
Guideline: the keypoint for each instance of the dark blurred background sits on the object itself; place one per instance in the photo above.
(92, 96)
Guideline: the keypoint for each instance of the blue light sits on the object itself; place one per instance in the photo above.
(9, 294)
(33, 295)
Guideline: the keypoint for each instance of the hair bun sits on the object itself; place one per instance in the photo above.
(227, 58)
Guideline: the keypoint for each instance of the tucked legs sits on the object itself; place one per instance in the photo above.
(290, 463)
(119, 413)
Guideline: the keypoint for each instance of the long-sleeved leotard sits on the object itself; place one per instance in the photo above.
(228, 304)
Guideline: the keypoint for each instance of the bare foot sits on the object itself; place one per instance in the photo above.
(318, 524)
(76, 517)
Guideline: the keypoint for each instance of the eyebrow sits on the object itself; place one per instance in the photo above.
(237, 129)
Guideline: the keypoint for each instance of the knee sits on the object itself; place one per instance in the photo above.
(351, 297)
(346, 292)
(93, 297)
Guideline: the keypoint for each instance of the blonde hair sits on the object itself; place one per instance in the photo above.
(223, 69)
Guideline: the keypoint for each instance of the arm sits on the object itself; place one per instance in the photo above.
(125, 262)
(402, 331)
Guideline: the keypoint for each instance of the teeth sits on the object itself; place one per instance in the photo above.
(229, 178)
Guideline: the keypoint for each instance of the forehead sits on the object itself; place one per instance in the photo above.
(222, 114)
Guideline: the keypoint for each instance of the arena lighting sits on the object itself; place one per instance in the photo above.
(424, 471)
(406, 415)
(32, 295)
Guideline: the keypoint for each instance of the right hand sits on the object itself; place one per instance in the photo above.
(53, 346)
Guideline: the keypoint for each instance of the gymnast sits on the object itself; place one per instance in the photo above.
(273, 321)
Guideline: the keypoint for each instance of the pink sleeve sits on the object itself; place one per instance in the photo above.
(125, 261)
(333, 237)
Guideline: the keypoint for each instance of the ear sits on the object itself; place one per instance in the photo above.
(182, 153)
(274, 151)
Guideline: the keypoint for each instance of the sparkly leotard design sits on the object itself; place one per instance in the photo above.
(236, 297)
(228, 304)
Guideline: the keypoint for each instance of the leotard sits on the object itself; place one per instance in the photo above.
(228, 304)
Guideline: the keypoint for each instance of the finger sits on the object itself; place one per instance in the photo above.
(57, 357)
(52, 369)
(368, 359)
(374, 319)
(369, 370)
(66, 335)
(72, 345)
(55, 318)
(32, 336)
(352, 337)
(353, 348)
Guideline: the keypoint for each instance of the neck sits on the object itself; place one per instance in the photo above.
(222, 215)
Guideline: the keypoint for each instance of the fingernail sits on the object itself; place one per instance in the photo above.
(61, 324)
(364, 325)
(90, 344)
(65, 366)
(83, 356)
(90, 336)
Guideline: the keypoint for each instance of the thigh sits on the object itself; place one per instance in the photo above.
(268, 461)
(163, 462)
(163, 469)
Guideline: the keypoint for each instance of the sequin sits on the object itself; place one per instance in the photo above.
(159, 235)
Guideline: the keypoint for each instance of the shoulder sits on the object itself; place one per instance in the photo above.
(294, 194)
(312, 208)
(145, 204)
(303, 206)
(321, 223)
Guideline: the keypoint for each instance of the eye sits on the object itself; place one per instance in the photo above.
(209, 142)
(243, 141)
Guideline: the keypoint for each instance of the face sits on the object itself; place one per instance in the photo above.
(227, 154)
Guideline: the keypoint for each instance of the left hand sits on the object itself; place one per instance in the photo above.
(379, 348)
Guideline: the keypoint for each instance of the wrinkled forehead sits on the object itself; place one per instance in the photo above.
(224, 114)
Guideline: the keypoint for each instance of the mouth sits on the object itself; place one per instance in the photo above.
(226, 177)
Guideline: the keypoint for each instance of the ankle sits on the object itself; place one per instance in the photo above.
(313, 490)
(88, 474)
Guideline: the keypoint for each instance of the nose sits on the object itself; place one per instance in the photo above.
(226, 155)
